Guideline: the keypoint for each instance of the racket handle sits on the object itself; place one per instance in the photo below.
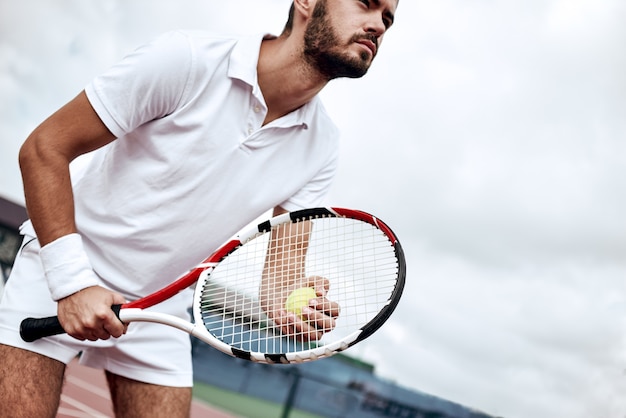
(32, 329)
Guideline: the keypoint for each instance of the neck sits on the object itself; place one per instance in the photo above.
(286, 80)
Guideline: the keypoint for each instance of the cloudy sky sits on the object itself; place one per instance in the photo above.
(490, 135)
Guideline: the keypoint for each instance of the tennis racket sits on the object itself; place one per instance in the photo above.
(298, 287)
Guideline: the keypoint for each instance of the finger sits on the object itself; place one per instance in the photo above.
(281, 319)
(286, 322)
(111, 322)
(115, 332)
(101, 334)
(101, 325)
(320, 284)
(118, 299)
(317, 320)
(305, 332)
(94, 329)
(79, 330)
(79, 336)
(89, 334)
(291, 324)
(113, 326)
(328, 307)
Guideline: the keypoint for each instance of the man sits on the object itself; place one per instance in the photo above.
(193, 137)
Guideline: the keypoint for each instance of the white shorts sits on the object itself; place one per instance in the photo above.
(148, 352)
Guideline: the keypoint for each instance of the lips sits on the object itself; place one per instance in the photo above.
(371, 45)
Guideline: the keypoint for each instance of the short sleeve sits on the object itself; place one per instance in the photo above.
(148, 84)
(314, 193)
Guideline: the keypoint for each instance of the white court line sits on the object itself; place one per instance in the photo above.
(96, 390)
(87, 412)
(92, 413)
(66, 412)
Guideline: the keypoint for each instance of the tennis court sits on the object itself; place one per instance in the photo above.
(85, 395)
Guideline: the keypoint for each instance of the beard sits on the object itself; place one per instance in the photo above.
(322, 48)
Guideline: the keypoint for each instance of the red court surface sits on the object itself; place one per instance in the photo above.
(85, 395)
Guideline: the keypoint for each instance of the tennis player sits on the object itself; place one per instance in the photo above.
(191, 137)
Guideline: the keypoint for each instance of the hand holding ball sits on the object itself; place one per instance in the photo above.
(298, 299)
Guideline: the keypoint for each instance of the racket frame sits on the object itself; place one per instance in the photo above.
(136, 310)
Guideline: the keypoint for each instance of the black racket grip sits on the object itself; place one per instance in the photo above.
(32, 329)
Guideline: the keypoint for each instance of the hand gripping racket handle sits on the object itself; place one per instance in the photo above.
(32, 329)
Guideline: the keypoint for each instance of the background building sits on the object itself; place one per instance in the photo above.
(340, 386)
(11, 217)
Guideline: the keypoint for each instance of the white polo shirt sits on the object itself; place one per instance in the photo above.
(192, 163)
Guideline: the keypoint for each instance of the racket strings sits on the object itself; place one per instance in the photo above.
(356, 258)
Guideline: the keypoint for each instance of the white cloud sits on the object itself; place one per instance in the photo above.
(544, 340)
(504, 182)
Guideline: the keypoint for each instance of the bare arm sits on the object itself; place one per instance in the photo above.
(44, 158)
(284, 272)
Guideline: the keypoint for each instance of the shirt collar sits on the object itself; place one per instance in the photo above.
(244, 58)
(242, 65)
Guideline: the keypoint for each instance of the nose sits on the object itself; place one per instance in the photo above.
(375, 25)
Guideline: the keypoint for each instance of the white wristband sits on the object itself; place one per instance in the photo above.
(66, 266)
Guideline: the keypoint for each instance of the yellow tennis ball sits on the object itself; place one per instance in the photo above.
(298, 299)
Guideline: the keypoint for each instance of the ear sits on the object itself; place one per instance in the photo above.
(304, 7)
